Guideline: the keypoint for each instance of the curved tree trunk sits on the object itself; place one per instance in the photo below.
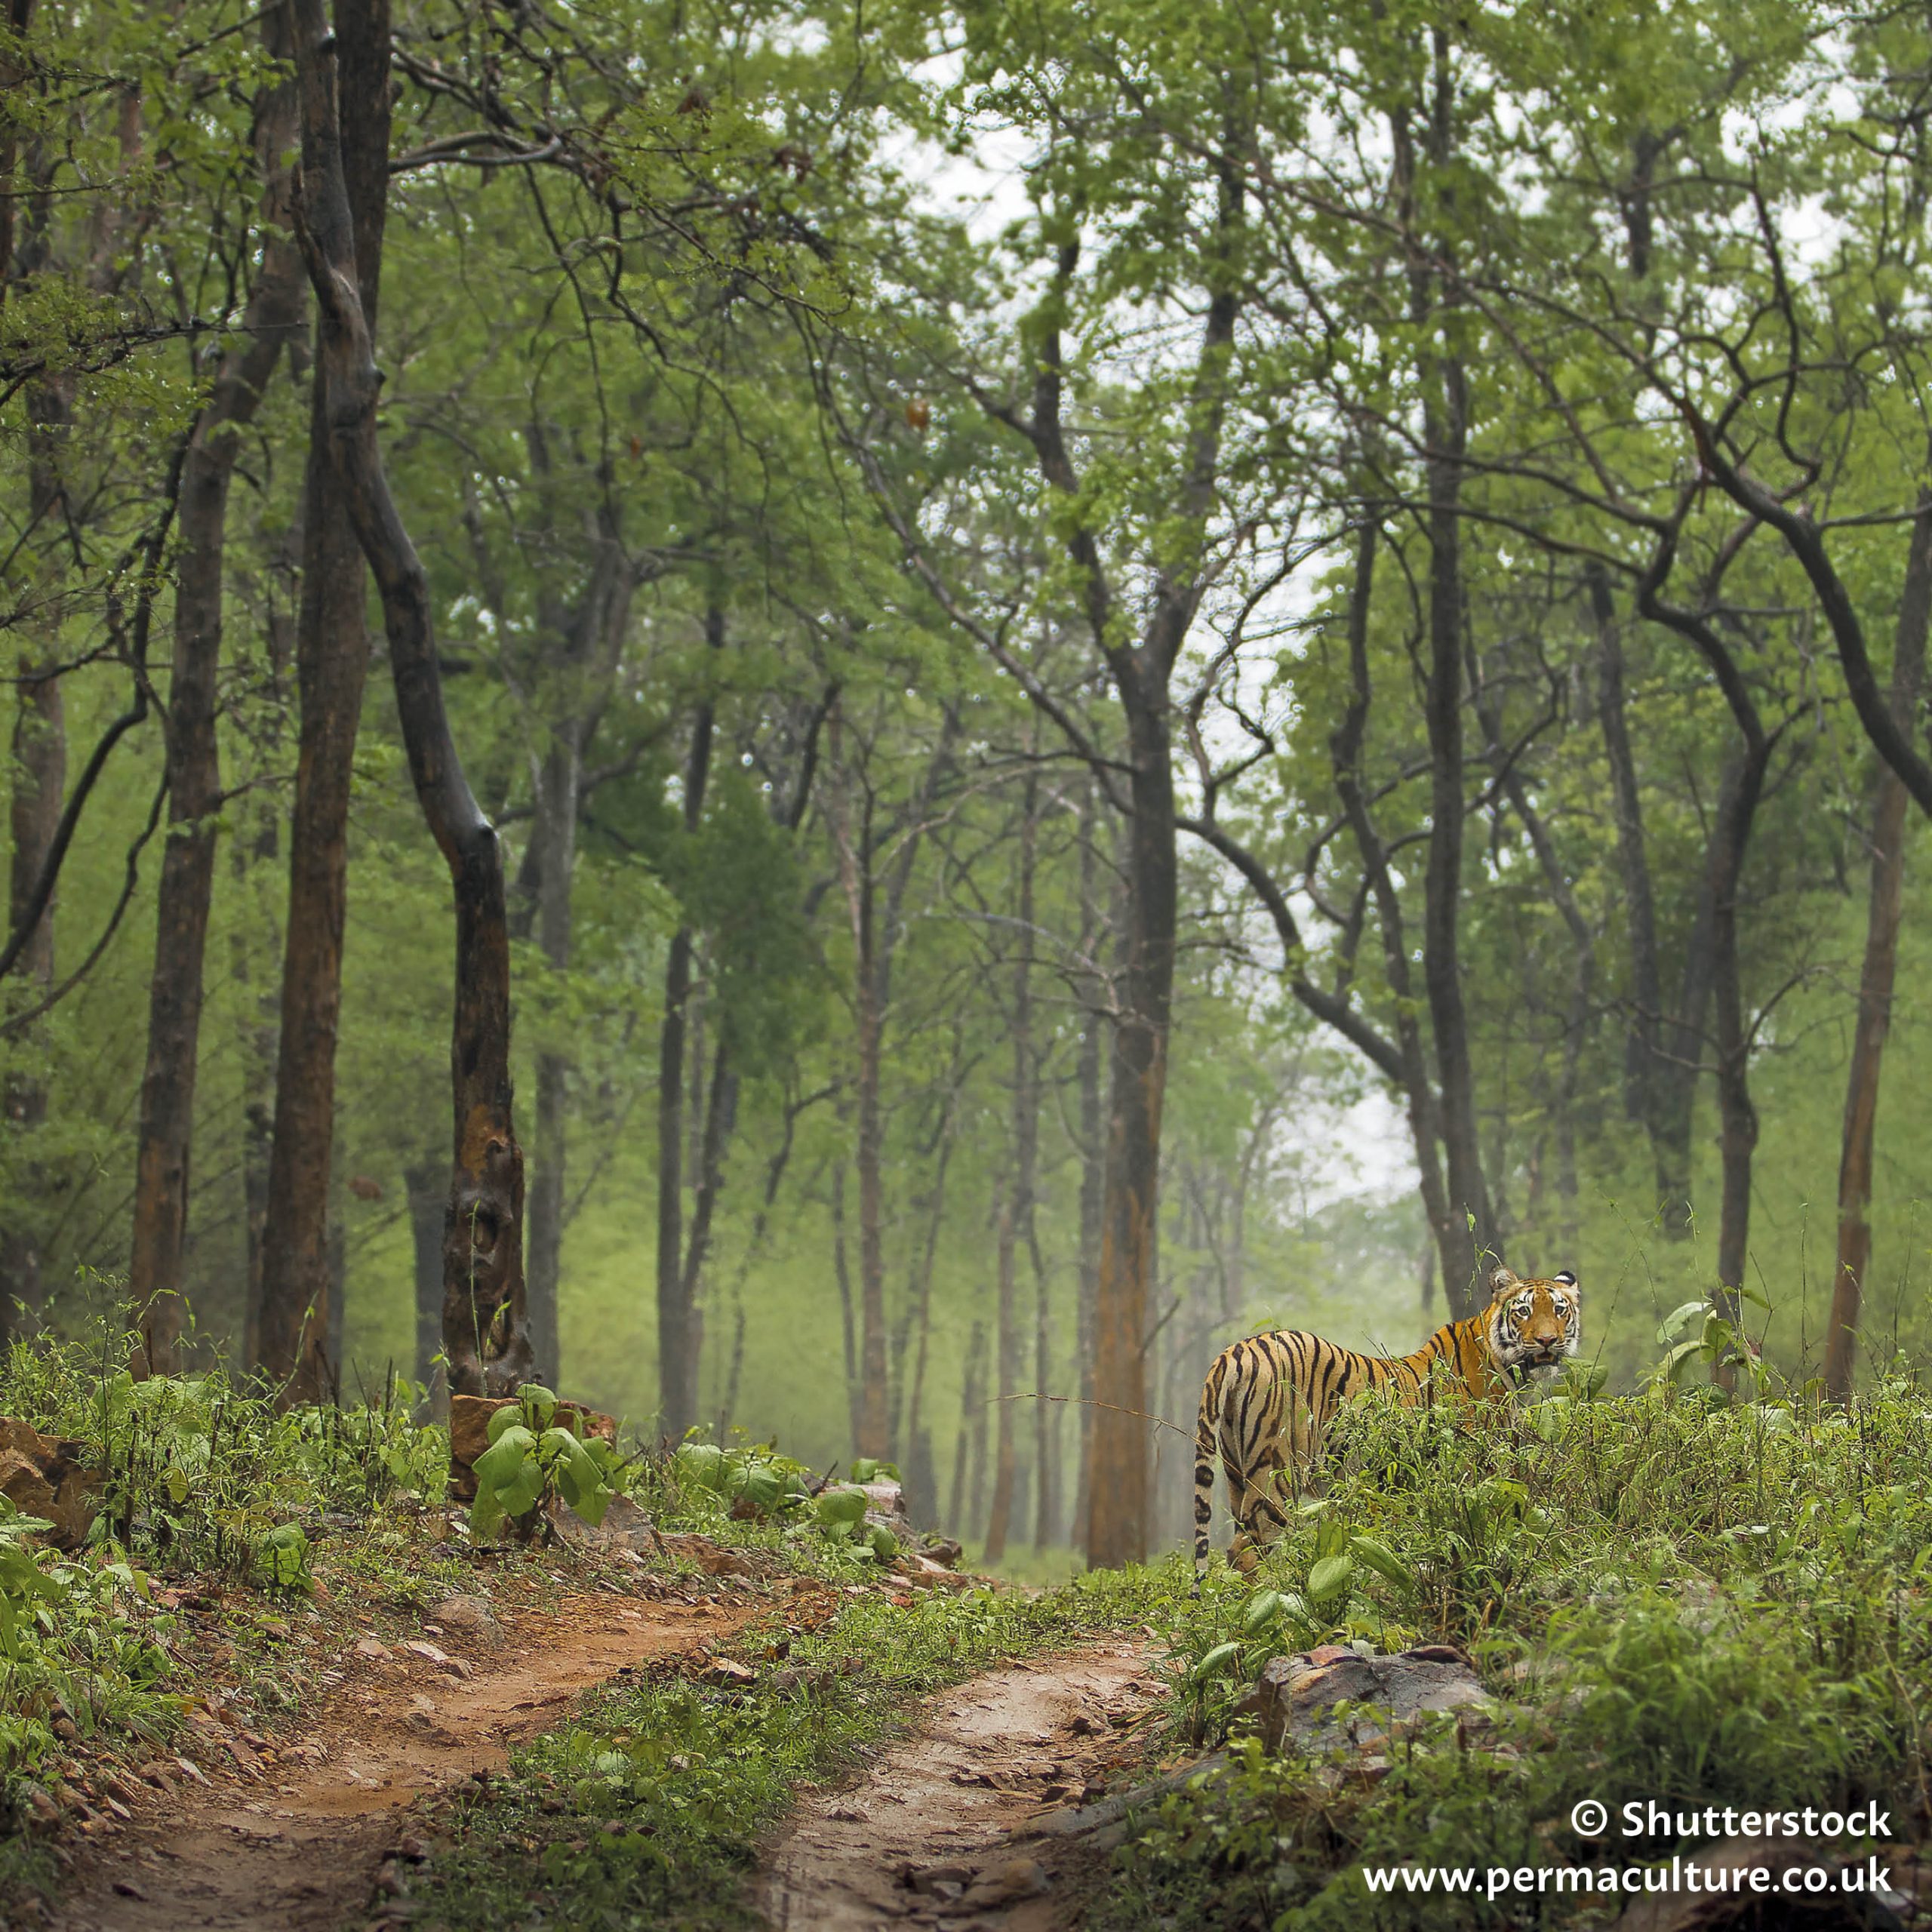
(1891, 804)
(331, 665)
(485, 1326)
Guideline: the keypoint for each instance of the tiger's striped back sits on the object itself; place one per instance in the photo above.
(1267, 1400)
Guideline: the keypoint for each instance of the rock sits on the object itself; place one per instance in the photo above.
(469, 1619)
(1720, 1911)
(624, 1527)
(1004, 1885)
(1296, 1695)
(942, 1551)
(709, 1557)
(939, 1881)
(885, 1505)
(45, 1476)
(469, 1434)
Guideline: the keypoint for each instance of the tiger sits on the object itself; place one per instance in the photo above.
(1267, 1400)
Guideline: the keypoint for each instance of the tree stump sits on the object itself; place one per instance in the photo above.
(469, 1434)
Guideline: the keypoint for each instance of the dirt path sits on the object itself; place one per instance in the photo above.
(295, 1841)
(942, 1830)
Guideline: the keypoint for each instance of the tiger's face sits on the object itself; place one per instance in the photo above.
(1533, 1327)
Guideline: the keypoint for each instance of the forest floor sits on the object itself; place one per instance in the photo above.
(296, 1835)
(945, 1828)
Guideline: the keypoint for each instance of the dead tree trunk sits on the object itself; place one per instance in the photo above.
(331, 666)
(1889, 806)
(485, 1327)
(155, 1275)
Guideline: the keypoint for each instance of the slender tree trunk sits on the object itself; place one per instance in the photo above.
(677, 1347)
(427, 1188)
(1118, 1498)
(554, 832)
(1737, 1117)
(1345, 748)
(842, 1273)
(1891, 807)
(39, 788)
(485, 1327)
(1442, 973)
(999, 1520)
(40, 769)
(1093, 1146)
(155, 1274)
(964, 1490)
(1025, 1162)
(331, 665)
(1641, 1067)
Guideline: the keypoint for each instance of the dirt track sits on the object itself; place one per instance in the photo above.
(938, 1831)
(295, 1844)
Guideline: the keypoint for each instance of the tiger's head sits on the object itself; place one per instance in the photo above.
(1533, 1327)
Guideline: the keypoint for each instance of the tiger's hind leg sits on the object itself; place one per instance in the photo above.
(1257, 1508)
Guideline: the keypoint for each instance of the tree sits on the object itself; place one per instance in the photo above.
(274, 313)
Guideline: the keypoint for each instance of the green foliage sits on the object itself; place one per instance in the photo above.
(1702, 1604)
(532, 1462)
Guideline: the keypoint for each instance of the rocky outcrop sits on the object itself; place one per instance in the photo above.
(46, 1476)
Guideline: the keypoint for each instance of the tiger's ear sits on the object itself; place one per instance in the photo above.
(1568, 1279)
(1501, 1281)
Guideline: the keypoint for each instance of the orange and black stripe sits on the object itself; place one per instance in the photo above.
(1267, 1400)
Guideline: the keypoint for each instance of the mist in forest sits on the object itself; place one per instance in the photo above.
(882, 733)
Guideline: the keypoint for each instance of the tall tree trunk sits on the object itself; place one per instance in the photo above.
(40, 779)
(485, 1324)
(39, 786)
(1118, 1504)
(677, 1342)
(1026, 1161)
(553, 839)
(1737, 1117)
(1006, 1353)
(1092, 1151)
(155, 1273)
(1640, 1066)
(331, 665)
(1468, 1202)
(1891, 805)
(964, 1493)
(842, 1273)
(1344, 749)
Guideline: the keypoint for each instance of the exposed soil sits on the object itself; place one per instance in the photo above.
(294, 1839)
(944, 1828)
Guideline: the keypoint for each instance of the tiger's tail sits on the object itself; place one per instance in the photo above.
(1206, 1434)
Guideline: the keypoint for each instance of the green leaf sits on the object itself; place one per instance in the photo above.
(539, 1403)
(1330, 1578)
(1265, 1609)
(1215, 1661)
(1383, 1561)
(509, 1416)
(884, 1544)
(843, 1508)
(1680, 1318)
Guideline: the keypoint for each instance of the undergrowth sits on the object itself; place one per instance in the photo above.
(1675, 1598)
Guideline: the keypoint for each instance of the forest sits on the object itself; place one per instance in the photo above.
(848, 728)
